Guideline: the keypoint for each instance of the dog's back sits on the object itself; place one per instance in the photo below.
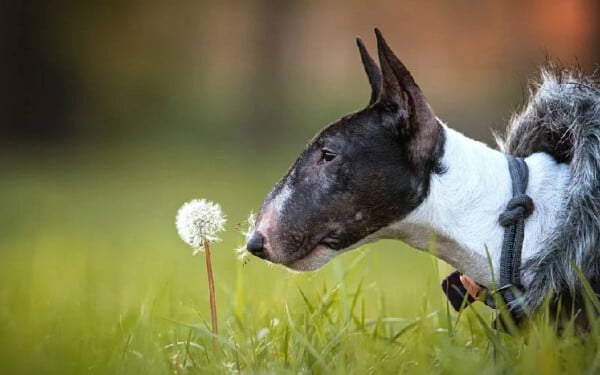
(562, 118)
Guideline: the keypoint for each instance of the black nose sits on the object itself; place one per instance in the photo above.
(256, 244)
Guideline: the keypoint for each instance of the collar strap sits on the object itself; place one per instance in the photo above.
(513, 220)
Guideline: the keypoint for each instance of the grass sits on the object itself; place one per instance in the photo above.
(93, 279)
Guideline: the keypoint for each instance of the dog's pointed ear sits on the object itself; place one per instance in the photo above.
(410, 111)
(399, 87)
(372, 70)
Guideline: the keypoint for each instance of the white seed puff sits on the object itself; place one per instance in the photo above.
(251, 224)
(198, 221)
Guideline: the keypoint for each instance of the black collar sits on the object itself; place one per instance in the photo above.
(513, 220)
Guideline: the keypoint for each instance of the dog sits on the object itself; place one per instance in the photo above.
(395, 170)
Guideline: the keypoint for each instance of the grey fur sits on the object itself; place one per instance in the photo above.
(562, 118)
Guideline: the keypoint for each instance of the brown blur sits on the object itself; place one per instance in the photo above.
(261, 72)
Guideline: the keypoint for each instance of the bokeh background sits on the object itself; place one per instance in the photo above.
(113, 113)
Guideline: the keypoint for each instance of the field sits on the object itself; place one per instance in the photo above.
(93, 279)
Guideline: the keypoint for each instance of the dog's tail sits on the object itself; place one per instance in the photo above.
(562, 118)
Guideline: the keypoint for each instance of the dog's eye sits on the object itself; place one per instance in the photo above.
(327, 155)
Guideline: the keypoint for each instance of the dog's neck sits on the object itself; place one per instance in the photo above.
(463, 205)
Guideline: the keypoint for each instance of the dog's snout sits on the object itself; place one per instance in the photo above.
(256, 244)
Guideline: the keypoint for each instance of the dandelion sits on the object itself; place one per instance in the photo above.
(198, 223)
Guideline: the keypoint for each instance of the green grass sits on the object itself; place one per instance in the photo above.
(93, 279)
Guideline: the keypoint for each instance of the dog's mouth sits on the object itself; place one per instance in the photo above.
(318, 256)
(333, 240)
(314, 259)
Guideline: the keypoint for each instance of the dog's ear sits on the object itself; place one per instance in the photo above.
(401, 96)
(372, 70)
(399, 88)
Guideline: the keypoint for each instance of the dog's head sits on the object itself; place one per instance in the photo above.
(358, 175)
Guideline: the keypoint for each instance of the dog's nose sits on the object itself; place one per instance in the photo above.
(256, 244)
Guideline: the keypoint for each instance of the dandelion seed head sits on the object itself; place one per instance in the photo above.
(198, 221)
(241, 251)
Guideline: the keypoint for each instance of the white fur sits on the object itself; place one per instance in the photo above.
(280, 200)
(464, 203)
(272, 211)
(268, 220)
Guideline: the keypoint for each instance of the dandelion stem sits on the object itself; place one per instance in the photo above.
(211, 292)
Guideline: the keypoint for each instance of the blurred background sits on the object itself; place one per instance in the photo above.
(263, 72)
(113, 113)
